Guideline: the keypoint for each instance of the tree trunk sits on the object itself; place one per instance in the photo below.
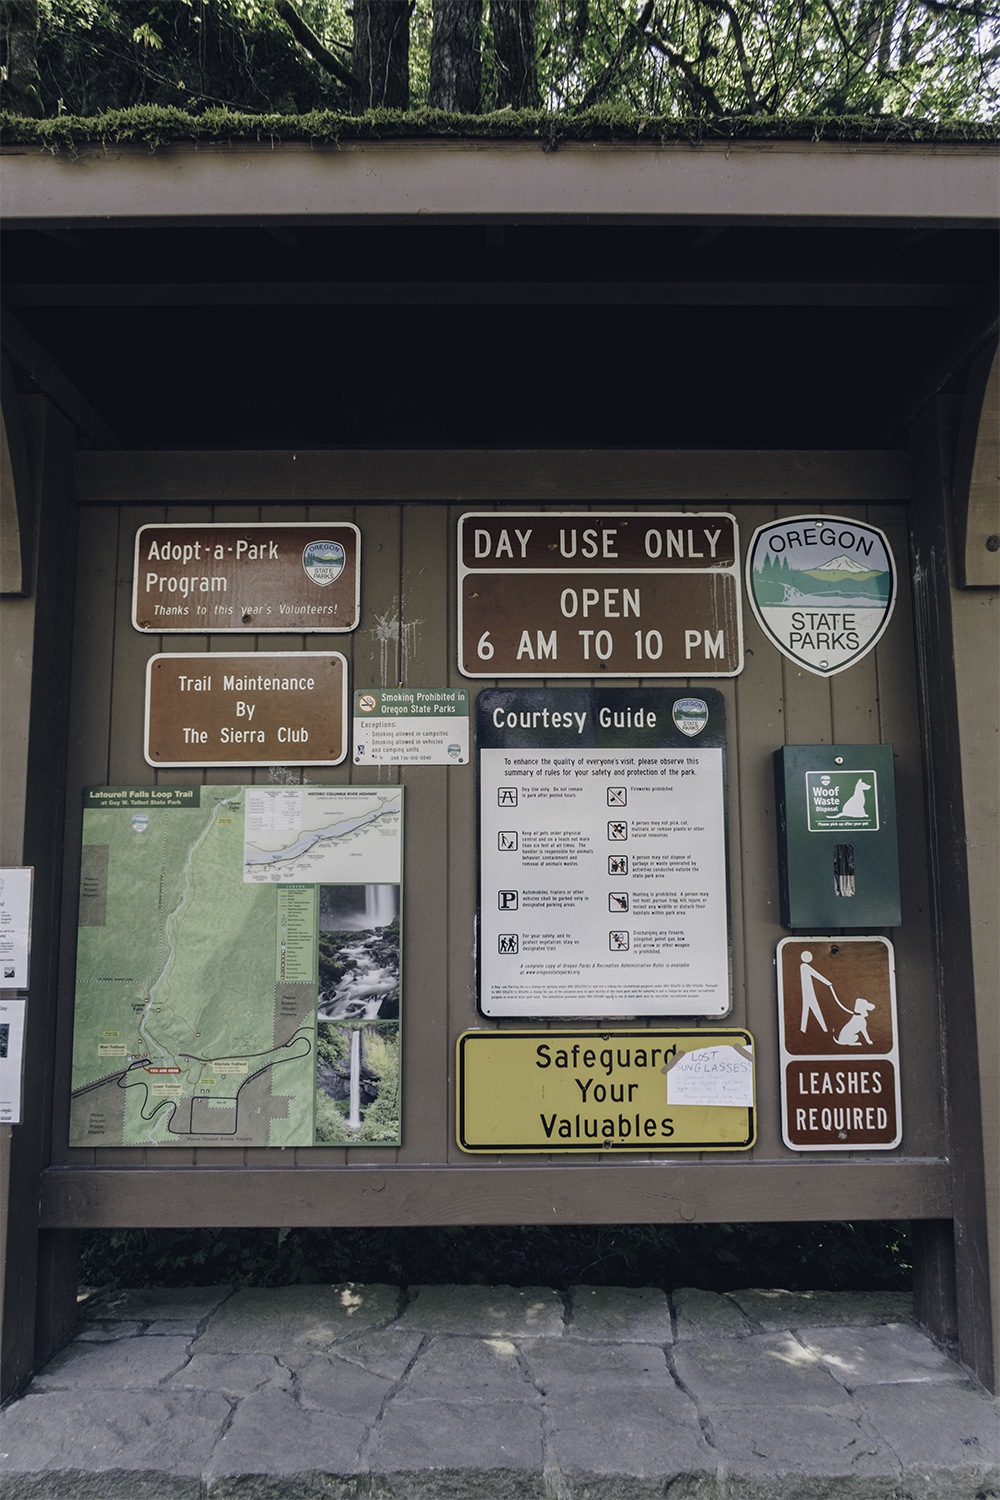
(514, 53)
(382, 54)
(456, 58)
(22, 92)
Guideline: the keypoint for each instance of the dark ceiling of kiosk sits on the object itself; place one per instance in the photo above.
(756, 364)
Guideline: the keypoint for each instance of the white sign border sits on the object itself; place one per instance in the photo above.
(786, 1057)
(250, 656)
(775, 640)
(735, 572)
(285, 628)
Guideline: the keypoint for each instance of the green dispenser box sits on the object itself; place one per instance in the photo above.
(838, 857)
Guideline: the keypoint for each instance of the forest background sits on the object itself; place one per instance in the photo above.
(504, 65)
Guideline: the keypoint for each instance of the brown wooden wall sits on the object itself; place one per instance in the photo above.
(407, 635)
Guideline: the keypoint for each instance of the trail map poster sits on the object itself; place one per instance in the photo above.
(238, 967)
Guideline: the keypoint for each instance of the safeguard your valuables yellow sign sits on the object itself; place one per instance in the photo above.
(641, 1091)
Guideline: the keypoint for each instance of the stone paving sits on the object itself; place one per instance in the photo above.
(498, 1393)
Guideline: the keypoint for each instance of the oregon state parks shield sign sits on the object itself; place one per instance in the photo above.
(822, 588)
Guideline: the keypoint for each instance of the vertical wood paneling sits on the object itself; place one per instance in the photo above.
(425, 593)
(463, 861)
(913, 941)
(407, 636)
(759, 729)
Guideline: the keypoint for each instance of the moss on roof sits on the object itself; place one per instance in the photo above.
(150, 125)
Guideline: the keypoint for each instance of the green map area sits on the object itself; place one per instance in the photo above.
(196, 992)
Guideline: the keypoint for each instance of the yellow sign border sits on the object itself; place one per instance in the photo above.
(567, 1133)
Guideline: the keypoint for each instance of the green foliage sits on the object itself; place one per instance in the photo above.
(95, 55)
(716, 1257)
(331, 1046)
(681, 60)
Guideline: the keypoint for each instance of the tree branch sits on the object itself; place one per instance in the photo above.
(307, 38)
(685, 67)
(954, 8)
(745, 68)
(633, 35)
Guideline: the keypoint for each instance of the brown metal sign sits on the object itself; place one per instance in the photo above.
(246, 709)
(839, 1044)
(566, 594)
(247, 577)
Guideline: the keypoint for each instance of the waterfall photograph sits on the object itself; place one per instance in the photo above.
(357, 1084)
(358, 953)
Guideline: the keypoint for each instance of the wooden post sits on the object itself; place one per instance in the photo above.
(38, 1267)
(956, 637)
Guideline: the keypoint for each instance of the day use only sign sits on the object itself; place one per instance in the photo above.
(603, 886)
(570, 594)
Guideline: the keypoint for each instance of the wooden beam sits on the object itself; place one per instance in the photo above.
(494, 293)
(635, 1193)
(300, 182)
(485, 475)
(25, 350)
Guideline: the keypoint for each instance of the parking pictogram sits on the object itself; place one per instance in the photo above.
(507, 900)
(617, 830)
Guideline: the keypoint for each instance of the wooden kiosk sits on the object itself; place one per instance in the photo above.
(394, 336)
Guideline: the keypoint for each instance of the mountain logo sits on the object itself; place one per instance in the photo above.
(690, 715)
(323, 561)
(822, 589)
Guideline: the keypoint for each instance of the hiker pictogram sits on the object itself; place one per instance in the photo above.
(855, 1030)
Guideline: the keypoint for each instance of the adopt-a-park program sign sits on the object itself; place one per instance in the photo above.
(603, 863)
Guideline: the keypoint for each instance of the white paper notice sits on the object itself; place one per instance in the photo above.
(603, 883)
(11, 1058)
(712, 1076)
(411, 727)
(15, 926)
